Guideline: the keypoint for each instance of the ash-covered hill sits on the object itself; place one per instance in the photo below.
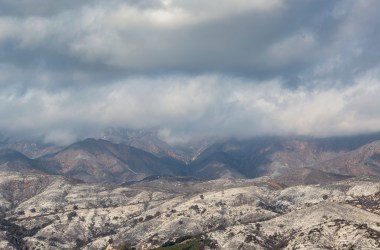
(53, 212)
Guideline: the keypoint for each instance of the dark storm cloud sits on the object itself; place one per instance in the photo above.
(256, 39)
(38, 7)
(224, 67)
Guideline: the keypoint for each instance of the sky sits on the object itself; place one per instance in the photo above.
(190, 67)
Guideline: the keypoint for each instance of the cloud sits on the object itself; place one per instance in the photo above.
(38, 7)
(226, 68)
(197, 106)
(257, 38)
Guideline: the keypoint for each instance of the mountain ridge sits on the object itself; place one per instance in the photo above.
(99, 160)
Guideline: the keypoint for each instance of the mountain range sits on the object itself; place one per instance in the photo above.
(123, 160)
(132, 190)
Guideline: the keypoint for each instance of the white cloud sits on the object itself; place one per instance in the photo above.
(207, 105)
(60, 137)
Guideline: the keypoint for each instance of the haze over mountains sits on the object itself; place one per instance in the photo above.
(135, 155)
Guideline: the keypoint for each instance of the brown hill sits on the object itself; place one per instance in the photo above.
(102, 161)
(11, 160)
(362, 161)
(285, 155)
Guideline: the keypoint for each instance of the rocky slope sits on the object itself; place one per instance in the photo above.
(53, 212)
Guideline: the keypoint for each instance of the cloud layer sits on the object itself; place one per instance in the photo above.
(225, 68)
(195, 106)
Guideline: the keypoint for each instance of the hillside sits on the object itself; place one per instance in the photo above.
(220, 214)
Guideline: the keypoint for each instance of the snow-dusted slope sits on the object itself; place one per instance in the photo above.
(53, 212)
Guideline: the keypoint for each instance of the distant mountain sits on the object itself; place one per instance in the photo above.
(230, 159)
(283, 155)
(150, 141)
(311, 160)
(146, 139)
(32, 148)
(94, 160)
(362, 161)
(11, 160)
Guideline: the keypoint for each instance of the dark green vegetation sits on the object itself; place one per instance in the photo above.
(186, 242)
(187, 245)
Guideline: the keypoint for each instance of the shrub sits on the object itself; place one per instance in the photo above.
(195, 208)
(71, 215)
(168, 243)
(183, 238)
(149, 217)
